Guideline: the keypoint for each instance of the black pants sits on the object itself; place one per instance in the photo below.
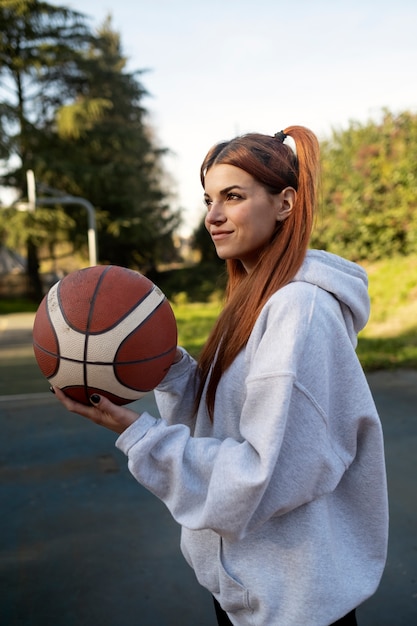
(223, 620)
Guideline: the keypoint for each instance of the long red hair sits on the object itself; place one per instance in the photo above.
(274, 165)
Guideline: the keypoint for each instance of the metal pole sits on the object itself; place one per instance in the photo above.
(30, 180)
(92, 229)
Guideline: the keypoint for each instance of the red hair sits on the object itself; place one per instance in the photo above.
(274, 165)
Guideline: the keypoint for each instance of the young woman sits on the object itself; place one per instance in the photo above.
(269, 452)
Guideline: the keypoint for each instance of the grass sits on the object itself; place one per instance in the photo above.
(195, 321)
(389, 341)
(390, 338)
(17, 305)
(19, 373)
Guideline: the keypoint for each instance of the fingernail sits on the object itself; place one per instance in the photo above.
(95, 398)
(51, 389)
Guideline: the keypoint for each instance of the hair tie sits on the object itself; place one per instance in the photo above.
(287, 140)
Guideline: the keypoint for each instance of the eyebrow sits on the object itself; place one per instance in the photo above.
(226, 190)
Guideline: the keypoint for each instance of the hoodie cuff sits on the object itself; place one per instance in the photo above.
(135, 432)
(177, 370)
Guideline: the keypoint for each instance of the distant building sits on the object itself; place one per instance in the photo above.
(13, 278)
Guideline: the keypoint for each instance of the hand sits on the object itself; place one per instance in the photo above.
(178, 356)
(102, 411)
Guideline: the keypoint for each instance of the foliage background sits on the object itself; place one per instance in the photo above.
(71, 112)
(369, 189)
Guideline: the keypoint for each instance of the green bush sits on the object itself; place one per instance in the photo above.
(388, 341)
(199, 282)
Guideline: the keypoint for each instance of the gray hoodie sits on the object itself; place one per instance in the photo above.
(282, 498)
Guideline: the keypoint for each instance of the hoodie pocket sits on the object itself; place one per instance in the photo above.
(203, 550)
(232, 595)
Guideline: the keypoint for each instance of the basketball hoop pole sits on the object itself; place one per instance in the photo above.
(52, 200)
(30, 179)
(92, 236)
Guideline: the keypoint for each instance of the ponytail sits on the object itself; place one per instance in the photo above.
(274, 163)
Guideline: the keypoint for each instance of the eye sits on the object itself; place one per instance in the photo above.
(232, 195)
(207, 201)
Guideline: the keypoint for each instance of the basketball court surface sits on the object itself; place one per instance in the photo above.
(82, 544)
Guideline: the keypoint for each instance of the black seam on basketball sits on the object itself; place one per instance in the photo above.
(87, 330)
(53, 330)
(89, 389)
(122, 317)
(152, 288)
(136, 367)
(109, 363)
(150, 358)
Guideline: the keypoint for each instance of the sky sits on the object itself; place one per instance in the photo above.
(219, 68)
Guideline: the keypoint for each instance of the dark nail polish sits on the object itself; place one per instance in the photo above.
(95, 398)
(51, 389)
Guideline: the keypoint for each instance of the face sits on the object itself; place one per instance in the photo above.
(241, 215)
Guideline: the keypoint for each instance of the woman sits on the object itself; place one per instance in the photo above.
(270, 450)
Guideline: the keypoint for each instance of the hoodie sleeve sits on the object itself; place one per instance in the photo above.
(175, 394)
(289, 452)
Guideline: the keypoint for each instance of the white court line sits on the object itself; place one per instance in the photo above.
(27, 396)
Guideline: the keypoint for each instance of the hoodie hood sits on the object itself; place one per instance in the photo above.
(346, 281)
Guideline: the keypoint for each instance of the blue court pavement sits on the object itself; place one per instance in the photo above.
(82, 544)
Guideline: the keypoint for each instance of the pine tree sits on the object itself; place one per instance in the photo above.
(74, 115)
(39, 48)
(115, 161)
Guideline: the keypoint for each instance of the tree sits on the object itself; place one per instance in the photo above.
(202, 243)
(75, 116)
(115, 160)
(39, 47)
(369, 189)
(40, 50)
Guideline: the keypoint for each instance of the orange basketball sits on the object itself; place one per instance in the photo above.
(106, 330)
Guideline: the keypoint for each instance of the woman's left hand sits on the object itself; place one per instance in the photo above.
(103, 412)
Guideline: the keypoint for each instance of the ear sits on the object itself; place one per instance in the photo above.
(284, 203)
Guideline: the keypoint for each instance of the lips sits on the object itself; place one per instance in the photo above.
(218, 235)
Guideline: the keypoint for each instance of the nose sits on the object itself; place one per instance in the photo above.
(215, 214)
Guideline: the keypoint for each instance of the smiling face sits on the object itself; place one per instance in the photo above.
(241, 215)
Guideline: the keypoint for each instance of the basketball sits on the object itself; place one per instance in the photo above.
(107, 330)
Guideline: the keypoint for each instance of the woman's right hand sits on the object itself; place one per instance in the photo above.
(102, 411)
